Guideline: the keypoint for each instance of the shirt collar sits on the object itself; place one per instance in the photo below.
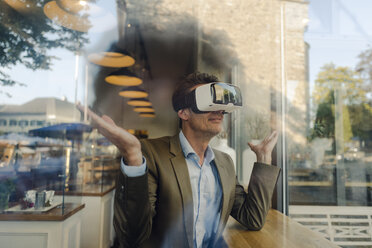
(189, 151)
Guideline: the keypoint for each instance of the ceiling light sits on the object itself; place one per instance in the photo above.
(116, 57)
(123, 77)
(82, 16)
(142, 102)
(133, 92)
(144, 109)
(142, 114)
(22, 6)
(68, 20)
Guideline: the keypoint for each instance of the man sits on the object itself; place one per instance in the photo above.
(177, 191)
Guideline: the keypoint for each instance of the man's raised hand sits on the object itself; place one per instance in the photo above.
(264, 149)
(128, 145)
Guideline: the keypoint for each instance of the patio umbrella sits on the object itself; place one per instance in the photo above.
(24, 140)
(70, 131)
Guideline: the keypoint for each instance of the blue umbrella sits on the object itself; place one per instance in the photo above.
(70, 131)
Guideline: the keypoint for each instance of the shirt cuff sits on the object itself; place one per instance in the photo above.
(134, 171)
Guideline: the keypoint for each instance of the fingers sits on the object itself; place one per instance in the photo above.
(104, 124)
(250, 145)
(273, 138)
(274, 135)
(269, 139)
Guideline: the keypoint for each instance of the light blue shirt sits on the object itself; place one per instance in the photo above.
(206, 191)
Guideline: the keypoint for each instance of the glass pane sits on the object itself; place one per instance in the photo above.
(328, 123)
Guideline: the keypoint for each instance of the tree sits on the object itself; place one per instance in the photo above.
(346, 79)
(361, 120)
(348, 85)
(324, 125)
(27, 36)
(364, 67)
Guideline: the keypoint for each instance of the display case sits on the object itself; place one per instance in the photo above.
(47, 176)
(37, 176)
(99, 164)
(55, 165)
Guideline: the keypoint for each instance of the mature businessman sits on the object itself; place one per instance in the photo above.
(179, 192)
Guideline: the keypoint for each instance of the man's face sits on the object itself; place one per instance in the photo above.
(209, 123)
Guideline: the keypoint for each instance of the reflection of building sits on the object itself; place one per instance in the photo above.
(36, 113)
(296, 73)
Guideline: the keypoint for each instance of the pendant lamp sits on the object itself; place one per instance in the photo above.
(111, 59)
(123, 77)
(144, 114)
(82, 15)
(140, 102)
(144, 109)
(133, 92)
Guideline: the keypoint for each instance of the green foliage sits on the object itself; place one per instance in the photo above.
(331, 77)
(346, 82)
(364, 66)
(361, 120)
(324, 126)
(7, 187)
(26, 38)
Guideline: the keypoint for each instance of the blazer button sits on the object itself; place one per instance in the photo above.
(122, 187)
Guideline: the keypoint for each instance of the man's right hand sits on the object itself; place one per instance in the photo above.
(128, 145)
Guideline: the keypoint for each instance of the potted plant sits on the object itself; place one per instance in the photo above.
(7, 187)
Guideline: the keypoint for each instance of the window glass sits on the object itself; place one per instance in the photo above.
(328, 108)
(303, 69)
(33, 123)
(22, 123)
(12, 123)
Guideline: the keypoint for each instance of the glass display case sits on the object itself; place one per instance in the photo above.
(98, 165)
(48, 168)
(35, 176)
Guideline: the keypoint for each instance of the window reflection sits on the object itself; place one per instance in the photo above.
(332, 166)
(304, 68)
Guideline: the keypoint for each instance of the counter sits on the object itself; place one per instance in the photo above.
(279, 231)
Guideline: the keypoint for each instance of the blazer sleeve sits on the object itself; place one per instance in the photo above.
(250, 208)
(134, 206)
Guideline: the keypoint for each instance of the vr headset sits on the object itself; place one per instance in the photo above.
(211, 97)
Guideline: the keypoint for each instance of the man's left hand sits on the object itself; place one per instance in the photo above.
(264, 149)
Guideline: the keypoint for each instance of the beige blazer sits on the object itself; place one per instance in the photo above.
(156, 209)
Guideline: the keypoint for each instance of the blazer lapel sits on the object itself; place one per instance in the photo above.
(220, 162)
(182, 174)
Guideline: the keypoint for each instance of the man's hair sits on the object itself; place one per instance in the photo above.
(185, 85)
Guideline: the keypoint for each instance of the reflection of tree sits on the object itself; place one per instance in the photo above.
(345, 83)
(344, 78)
(26, 37)
(324, 126)
(364, 66)
(361, 121)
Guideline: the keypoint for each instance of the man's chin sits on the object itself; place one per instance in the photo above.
(215, 131)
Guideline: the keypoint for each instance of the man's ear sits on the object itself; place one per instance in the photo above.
(183, 114)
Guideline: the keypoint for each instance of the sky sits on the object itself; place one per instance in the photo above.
(60, 81)
(338, 30)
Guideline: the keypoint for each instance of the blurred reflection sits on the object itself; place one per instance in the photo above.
(27, 35)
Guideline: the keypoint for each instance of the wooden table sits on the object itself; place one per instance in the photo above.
(279, 232)
(55, 214)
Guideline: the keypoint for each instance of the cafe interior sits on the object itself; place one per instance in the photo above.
(303, 68)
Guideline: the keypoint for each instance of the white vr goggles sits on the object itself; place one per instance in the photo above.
(211, 97)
